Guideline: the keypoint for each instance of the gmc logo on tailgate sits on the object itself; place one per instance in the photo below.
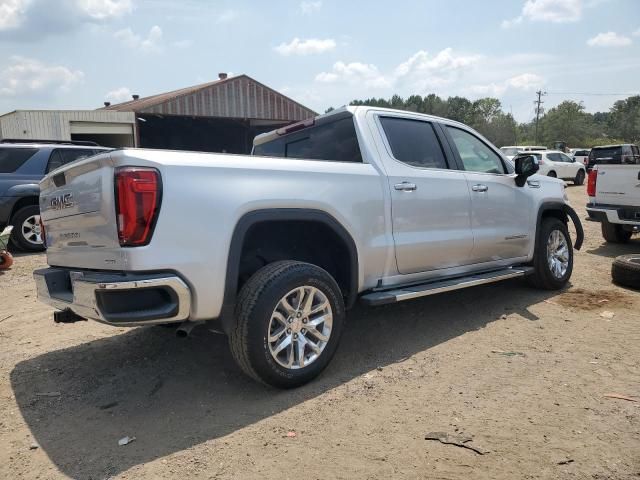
(61, 202)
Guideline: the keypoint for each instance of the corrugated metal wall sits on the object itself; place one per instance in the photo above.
(54, 125)
(236, 98)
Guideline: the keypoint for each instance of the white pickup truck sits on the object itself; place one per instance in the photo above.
(614, 198)
(362, 203)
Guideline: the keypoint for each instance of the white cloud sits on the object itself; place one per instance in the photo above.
(12, 13)
(150, 44)
(523, 82)
(636, 33)
(554, 11)
(29, 76)
(227, 16)
(119, 95)
(104, 9)
(309, 6)
(306, 47)
(609, 39)
(355, 73)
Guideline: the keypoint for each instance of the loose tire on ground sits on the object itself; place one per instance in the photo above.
(625, 271)
(252, 339)
(546, 250)
(579, 180)
(18, 237)
(614, 233)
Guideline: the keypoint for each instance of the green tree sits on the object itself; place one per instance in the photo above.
(624, 119)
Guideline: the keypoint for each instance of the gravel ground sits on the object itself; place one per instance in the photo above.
(522, 373)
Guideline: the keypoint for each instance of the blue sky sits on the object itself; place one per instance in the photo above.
(78, 53)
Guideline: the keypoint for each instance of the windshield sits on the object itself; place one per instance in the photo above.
(11, 159)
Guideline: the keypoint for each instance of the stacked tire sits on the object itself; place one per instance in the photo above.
(625, 271)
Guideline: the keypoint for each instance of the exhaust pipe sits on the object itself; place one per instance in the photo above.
(184, 329)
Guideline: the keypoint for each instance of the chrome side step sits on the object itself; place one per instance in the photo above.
(422, 290)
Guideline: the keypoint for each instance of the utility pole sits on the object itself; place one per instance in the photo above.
(538, 103)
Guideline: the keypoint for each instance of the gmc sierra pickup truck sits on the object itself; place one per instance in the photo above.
(614, 199)
(362, 203)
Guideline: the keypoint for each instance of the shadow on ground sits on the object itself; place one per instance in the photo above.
(173, 394)
(613, 250)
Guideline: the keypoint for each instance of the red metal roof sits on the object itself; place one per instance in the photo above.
(234, 97)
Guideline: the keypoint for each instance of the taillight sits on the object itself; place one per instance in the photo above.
(43, 233)
(138, 195)
(591, 183)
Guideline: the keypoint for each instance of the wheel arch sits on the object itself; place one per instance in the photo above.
(564, 213)
(254, 219)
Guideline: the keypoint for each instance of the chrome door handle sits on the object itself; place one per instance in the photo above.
(405, 187)
(479, 188)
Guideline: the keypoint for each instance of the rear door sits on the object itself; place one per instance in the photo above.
(431, 214)
(501, 212)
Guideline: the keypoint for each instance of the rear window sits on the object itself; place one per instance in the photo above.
(510, 151)
(413, 142)
(334, 141)
(610, 152)
(581, 153)
(11, 159)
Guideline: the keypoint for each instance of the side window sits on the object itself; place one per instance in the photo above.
(475, 155)
(11, 159)
(566, 158)
(635, 150)
(55, 161)
(71, 155)
(413, 142)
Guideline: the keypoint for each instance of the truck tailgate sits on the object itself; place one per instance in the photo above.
(618, 185)
(77, 207)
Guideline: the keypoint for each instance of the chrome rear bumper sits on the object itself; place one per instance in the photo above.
(116, 299)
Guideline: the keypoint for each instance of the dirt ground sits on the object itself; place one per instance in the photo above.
(523, 373)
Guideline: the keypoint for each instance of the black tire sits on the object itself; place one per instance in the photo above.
(625, 271)
(552, 174)
(19, 239)
(579, 180)
(543, 277)
(614, 233)
(248, 338)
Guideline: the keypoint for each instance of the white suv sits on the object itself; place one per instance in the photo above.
(554, 163)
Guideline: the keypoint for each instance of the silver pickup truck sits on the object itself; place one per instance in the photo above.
(362, 203)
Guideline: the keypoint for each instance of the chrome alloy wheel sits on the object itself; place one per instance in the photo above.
(558, 254)
(300, 327)
(31, 230)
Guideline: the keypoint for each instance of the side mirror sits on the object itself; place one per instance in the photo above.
(526, 165)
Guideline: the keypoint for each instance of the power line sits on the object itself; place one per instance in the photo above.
(594, 94)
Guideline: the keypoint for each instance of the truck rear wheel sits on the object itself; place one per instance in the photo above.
(614, 233)
(288, 322)
(553, 256)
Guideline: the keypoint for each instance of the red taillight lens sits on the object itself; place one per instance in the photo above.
(43, 233)
(138, 195)
(591, 183)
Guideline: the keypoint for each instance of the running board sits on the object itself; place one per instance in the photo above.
(422, 290)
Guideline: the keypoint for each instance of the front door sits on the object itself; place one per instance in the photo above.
(501, 211)
(430, 202)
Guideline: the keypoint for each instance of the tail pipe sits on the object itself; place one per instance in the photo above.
(184, 329)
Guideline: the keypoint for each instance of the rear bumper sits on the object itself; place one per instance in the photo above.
(116, 299)
(612, 214)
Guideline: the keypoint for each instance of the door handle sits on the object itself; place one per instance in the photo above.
(479, 188)
(405, 187)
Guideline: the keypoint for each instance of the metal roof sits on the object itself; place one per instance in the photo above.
(234, 97)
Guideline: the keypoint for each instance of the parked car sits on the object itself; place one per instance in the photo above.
(581, 155)
(614, 155)
(557, 164)
(361, 203)
(513, 150)
(614, 200)
(22, 166)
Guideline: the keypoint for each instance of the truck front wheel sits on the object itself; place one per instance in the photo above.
(288, 322)
(614, 233)
(553, 256)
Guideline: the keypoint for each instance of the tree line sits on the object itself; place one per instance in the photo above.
(568, 121)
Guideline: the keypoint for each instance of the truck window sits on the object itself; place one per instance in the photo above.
(11, 159)
(413, 142)
(334, 141)
(475, 155)
(61, 157)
